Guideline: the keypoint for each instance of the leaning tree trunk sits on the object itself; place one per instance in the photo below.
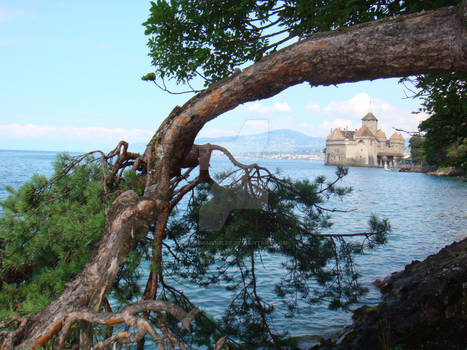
(127, 217)
(421, 43)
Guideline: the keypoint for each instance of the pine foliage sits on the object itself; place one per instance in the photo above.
(48, 231)
(291, 227)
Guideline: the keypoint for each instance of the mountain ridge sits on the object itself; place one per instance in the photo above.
(280, 140)
(274, 141)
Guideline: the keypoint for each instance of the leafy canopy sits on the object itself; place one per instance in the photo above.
(444, 98)
(209, 39)
(417, 150)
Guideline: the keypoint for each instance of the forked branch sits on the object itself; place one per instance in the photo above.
(129, 317)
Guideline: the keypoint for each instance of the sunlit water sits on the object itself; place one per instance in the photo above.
(425, 212)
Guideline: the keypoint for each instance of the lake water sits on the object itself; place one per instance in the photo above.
(425, 212)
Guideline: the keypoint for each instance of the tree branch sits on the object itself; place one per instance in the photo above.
(127, 316)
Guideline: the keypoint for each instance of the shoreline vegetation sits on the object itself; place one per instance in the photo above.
(435, 171)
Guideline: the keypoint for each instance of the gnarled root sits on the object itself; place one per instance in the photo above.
(128, 316)
(9, 336)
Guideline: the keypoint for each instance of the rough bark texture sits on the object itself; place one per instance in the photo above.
(423, 43)
(127, 217)
(428, 42)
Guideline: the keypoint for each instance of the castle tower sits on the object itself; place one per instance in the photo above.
(370, 121)
(366, 146)
(397, 142)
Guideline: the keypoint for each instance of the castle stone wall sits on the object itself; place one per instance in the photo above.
(362, 147)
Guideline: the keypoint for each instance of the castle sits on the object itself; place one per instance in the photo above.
(366, 146)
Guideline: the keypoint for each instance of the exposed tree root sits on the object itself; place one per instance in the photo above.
(9, 336)
(128, 316)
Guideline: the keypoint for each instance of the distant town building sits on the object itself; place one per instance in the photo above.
(367, 146)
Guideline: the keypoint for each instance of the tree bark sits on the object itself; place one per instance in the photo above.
(421, 43)
(127, 217)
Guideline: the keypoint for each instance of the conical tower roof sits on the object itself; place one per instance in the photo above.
(380, 134)
(397, 136)
(369, 116)
(364, 131)
(336, 134)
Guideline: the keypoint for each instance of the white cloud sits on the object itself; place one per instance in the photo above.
(246, 127)
(385, 107)
(356, 106)
(281, 107)
(257, 108)
(249, 126)
(404, 120)
(71, 133)
(348, 114)
(419, 117)
(307, 129)
(313, 107)
(12, 15)
(258, 126)
(278, 107)
(210, 132)
(337, 123)
(324, 129)
(5, 15)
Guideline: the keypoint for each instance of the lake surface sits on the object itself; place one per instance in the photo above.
(425, 212)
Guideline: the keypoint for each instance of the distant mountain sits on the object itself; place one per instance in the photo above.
(275, 141)
(283, 140)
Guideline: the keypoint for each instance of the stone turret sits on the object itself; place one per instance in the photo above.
(364, 131)
(336, 134)
(367, 146)
(370, 121)
(380, 135)
(397, 136)
(397, 143)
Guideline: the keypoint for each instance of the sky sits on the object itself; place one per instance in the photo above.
(70, 80)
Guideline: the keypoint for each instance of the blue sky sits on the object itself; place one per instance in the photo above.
(70, 80)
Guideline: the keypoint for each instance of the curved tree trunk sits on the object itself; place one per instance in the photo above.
(421, 43)
(127, 217)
